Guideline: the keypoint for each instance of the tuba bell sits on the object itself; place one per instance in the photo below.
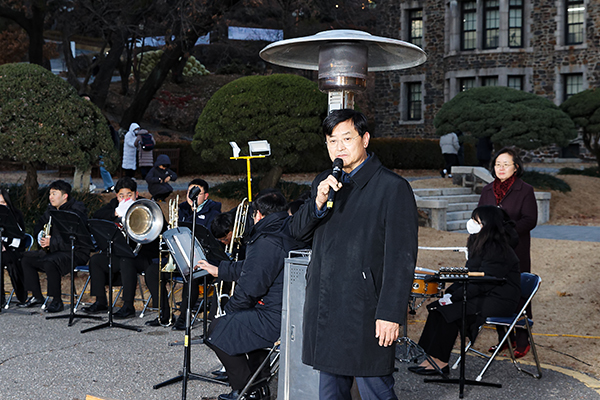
(143, 222)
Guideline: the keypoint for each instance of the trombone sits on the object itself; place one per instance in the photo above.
(233, 250)
(170, 266)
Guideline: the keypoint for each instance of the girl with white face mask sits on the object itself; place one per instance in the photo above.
(490, 251)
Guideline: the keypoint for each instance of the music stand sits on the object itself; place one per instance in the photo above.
(72, 229)
(108, 237)
(9, 228)
(465, 280)
(188, 277)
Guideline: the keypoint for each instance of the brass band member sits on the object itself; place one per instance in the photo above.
(252, 319)
(125, 268)
(12, 252)
(362, 264)
(56, 261)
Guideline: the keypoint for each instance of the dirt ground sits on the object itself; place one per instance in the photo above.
(566, 309)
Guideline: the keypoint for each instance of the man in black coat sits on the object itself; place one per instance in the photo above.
(207, 208)
(125, 267)
(362, 265)
(252, 319)
(55, 259)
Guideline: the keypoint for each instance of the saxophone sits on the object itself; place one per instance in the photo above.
(46, 232)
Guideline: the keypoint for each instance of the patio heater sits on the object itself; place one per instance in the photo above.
(343, 57)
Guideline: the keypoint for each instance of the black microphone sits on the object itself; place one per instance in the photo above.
(338, 163)
(194, 192)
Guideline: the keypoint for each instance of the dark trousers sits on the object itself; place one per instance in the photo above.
(127, 269)
(55, 265)
(12, 261)
(129, 172)
(450, 160)
(241, 367)
(337, 387)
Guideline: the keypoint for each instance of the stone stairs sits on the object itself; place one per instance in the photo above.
(461, 202)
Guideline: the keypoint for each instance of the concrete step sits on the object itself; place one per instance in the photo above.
(464, 198)
(442, 191)
(462, 207)
(457, 225)
(458, 215)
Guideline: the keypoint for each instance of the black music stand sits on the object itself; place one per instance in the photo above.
(465, 280)
(9, 228)
(108, 237)
(188, 277)
(72, 229)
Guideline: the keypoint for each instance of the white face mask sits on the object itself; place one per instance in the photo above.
(473, 227)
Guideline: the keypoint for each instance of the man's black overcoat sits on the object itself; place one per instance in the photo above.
(252, 317)
(361, 270)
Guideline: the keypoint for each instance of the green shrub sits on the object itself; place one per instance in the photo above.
(590, 171)
(545, 181)
(239, 189)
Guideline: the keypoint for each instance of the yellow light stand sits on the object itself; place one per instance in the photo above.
(248, 158)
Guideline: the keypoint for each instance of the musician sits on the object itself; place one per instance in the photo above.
(55, 260)
(490, 252)
(252, 319)
(12, 252)
(207, 208)
(125, 268)
(362, 264)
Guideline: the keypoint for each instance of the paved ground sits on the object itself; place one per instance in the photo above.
(46, 359)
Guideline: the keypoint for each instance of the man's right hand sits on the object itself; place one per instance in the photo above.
(323, 190)
(45, 242)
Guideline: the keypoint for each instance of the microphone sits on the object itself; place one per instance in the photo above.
(194, 192)
(338, 163)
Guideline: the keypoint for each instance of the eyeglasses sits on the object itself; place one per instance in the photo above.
(345, 141)
(503, 166)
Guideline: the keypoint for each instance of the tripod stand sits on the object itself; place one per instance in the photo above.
(106, 234)
(177, 239)
(72, 229)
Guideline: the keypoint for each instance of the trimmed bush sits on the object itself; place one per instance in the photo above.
(545, 181)
(590, 171)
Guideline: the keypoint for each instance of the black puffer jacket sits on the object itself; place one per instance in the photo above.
(252, 317)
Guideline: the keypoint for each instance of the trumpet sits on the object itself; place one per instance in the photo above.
(233, 249)
(46, 231)
(170, 266)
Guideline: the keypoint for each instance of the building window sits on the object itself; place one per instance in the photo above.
(489, 81)
(515, 23)
(491, 24)
(573, 85)
(416, 27)
(466, 83)
(414, 102)
(575, 18)
(515, 82)
(469, 25)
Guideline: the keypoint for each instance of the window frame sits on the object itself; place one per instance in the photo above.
(410, 103)
(581, 24)
(486, 24)
(520, 28)
(463, 32)
(412, 19)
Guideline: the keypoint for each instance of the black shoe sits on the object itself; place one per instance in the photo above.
(261, 392)
(179, 324)
(218, 371)
(425, 371)
(32, 301)
(110, 189)
(221, 376)
(124, 312)
(156, 322)
(55, 306)
(233, 395)
(95, 308)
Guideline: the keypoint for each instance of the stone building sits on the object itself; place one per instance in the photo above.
(547, 47)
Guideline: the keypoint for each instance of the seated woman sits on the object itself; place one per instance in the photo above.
(490, 251)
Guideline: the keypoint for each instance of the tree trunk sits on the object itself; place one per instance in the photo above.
(101, 84)
(142, 100)
(36, 33)
(68, 55)
(81, 180)
(271, 178)
(31, 184)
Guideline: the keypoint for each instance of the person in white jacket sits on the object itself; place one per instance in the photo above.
(129, 151)
(450, 146)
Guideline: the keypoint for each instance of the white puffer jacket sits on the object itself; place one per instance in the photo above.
(129, 149)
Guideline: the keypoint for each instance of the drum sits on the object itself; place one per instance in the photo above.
(420, 288)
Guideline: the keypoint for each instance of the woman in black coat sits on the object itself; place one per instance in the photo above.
(490, 252)
(12, 251)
